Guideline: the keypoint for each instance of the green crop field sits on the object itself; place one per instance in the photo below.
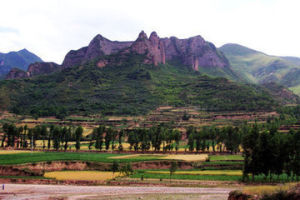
(20, 158)
(225, 157)
(186, 176)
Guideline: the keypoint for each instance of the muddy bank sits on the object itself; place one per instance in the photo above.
(161, 165)
(38, 169)
(50, 181)
(62, 165)
(12, 171)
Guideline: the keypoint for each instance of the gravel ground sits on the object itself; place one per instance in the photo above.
(69, 192)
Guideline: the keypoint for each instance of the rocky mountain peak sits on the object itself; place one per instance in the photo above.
(193, 52)
(152, 48)
(142, 36)
(154, 39)
(98, 47)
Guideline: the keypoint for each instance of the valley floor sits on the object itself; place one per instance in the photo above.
(43, 192)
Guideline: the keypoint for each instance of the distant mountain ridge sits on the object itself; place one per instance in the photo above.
(257, 67)
(17, 59)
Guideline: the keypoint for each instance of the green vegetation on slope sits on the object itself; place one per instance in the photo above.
(127, 89)
(257, 67)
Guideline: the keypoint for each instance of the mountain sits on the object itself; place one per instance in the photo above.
(257, 67)
(194, 53)
(20, 59)
(132, 78)
(131, 88)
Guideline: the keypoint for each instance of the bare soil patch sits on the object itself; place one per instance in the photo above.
(41, 192)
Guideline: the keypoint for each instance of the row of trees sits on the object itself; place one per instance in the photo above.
(24, 137)
(220, 139)
(156, 137)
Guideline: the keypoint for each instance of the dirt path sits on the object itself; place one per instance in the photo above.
(42, 192)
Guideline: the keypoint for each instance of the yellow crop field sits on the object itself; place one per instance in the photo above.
(206, 172)
(13, 152)
(81, 175)
(187, 157)
(125, 156)
(267, 189)
(87, 131)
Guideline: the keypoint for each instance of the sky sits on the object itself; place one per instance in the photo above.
(51, 28)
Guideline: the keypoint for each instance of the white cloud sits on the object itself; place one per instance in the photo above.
(50, 28)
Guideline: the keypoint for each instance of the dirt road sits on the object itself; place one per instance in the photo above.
(68, 192)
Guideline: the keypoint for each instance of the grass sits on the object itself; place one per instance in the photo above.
(187, 177)
(223, 163)
(225, 157)
(21, 158)
(203, 172)
(81, 175)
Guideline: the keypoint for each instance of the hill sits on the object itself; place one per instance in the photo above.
(128, 89)
(257, 67)
(20, 59)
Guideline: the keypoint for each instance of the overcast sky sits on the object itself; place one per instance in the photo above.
(50, 28)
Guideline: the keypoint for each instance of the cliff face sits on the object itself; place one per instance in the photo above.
(16, 73)
(193, 52)
(153, 48)
(98, 47)
(37, 68)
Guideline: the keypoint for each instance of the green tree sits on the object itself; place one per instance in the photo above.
(78, 136)
(56, 137)
(108, 138)
(191, 142)
(115, 166)
(44, 133)
(173, 168)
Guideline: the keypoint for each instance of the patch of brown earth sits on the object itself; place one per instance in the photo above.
(39, 168)
(66, 165)
(161, 165)
(11, 171)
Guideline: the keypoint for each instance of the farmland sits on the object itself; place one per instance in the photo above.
(21, 158)
(207, 148)
(82, 175)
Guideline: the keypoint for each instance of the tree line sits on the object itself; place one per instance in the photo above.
(57, 137)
